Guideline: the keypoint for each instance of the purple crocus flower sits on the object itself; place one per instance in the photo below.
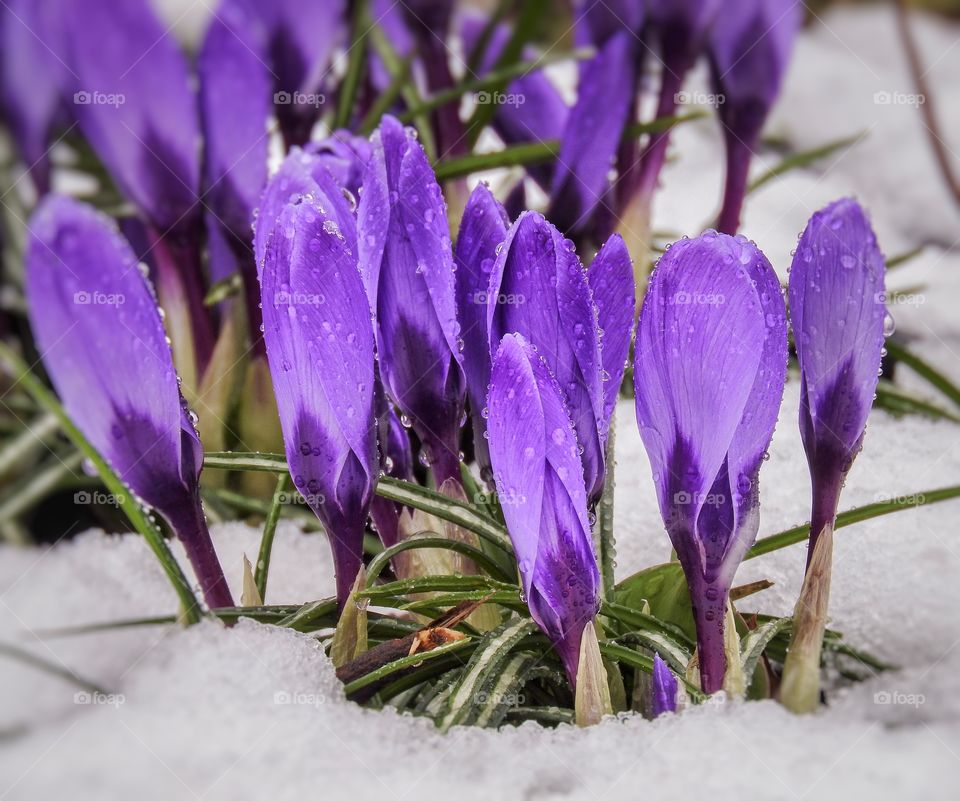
(320, 349)
(538, 288)
(483, 229)
(407, 263)
(98, 329)
(533, 449)
(663, 689)
(709, 373)
(749, 52)
(837, 310)
(134, 104)
(345, 157)
(34, 79)
(396, 460)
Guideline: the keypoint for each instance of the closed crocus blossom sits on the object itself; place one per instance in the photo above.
(138, 111)
(837, 311)
(320, 348)
(663, 689)
(749, 52)
(483, 229)
(34, 79)
(710, 366)
(407, 262)
(102, 341)
(541, 291)
(533, 449)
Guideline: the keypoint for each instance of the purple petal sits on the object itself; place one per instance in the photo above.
(483, 229)
(302, 175)
(407, 262)
(320, 349)
(837, 306)
(35, 76)
(599, 20)
(533, 449)
(135, 106)
(591, 137)
(611, 283)
(548, 301)
(97, 326)
(345, 156)
(663, 688)
(235, 88)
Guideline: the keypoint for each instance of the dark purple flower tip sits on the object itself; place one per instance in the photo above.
(681, 28)
(98, 329)
(749, 52)
(533, 109)
(235, 90)
(837, 308)
(320, 348)
(612, 285)
(345, 156)
(34, 79)
(302, 176)
(591, 137)
(133, 101)
(542, 292)
(483, 229)
(407, 264)
(537, 469)
(710, 366)
(396, 460)
(663, 690)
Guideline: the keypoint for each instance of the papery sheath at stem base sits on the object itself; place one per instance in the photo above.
(591, 690)
(709, 612)
(800, 688)
(826, 499)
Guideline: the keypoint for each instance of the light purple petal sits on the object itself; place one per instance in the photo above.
(407, 262)
(663, 688)
(537, 469)
(550, 304)
(345, 156)
(611, 283)
(320, 349)
(591, 137)
(135, 106)
(235, 88)
(483, 229)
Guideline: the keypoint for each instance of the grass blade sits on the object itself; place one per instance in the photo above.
(804, 159)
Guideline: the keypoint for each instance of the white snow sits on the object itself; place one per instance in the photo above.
(255, 712)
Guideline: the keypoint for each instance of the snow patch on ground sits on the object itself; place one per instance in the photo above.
(255, 712)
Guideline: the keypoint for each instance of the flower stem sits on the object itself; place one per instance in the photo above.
(190, 526)
(709, 612)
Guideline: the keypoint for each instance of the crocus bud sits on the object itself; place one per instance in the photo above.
(320, 348)
(102, 341)
(407, 264)
(709, 373)
(533, 449)
(837, 308)
(749, 52)
(538, 288)
(663, 688)
(483, 229)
